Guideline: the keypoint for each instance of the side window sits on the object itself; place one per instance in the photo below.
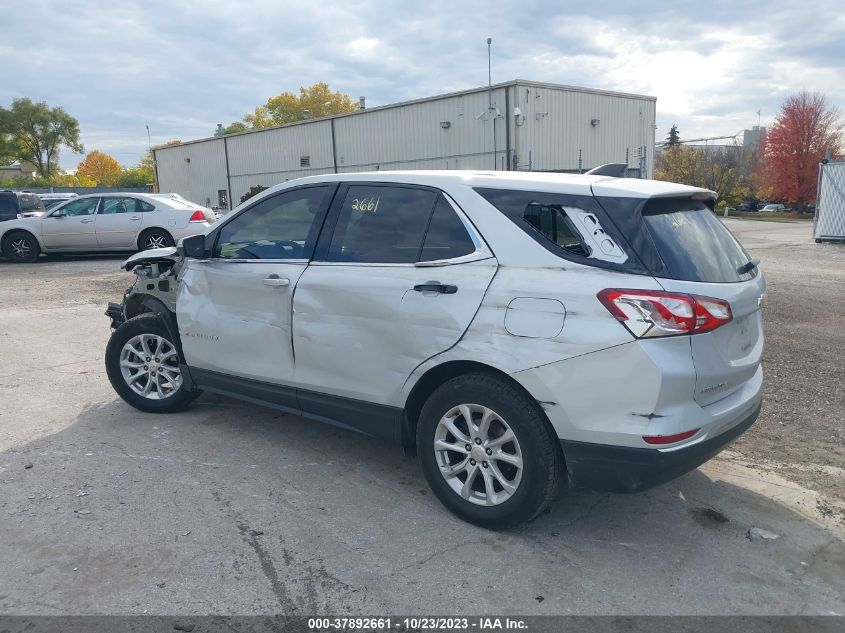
(8, 208)
(447, 237)
(117, 205)
(143, 205)
(554, 224)
(278, 227)
(379, 224)
(86, 206)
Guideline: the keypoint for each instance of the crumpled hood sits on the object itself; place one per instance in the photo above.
(167, 253)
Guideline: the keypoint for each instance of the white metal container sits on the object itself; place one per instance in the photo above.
(829, 222)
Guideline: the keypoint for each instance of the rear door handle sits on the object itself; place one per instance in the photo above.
(135, 218)
(86, 220)
(436, 286)
(276, 282)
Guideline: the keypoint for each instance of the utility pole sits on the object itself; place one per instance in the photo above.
(491, 107)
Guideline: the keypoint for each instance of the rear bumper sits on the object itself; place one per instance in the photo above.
(627, 469)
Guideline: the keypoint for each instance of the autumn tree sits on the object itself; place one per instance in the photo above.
(805, 129)
(718, 168)
(101, 168)
(34, 132)
(316, 101)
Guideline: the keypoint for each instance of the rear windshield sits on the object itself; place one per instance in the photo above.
(693, 243)
(30, 202)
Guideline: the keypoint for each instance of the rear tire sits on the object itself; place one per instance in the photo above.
(142, 364)
(155, 238)
(513, 480)
(21, 247)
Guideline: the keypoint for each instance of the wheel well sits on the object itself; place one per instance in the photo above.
(11, 232)
(431, 380)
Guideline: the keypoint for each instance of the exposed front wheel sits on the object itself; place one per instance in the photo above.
(21, 247)
(142, 363)
(487, 451)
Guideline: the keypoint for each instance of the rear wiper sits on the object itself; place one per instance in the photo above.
(747, 268)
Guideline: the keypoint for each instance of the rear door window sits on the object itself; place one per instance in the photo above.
(381, 224)
(693, 243)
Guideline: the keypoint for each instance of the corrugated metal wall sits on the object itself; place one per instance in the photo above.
(460, 131)
(555, 131)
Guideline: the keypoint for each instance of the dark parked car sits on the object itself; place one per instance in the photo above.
(15, 204)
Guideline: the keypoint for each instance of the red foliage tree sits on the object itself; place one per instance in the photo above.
(804, 130)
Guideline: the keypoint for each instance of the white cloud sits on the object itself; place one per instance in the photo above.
(184, 67)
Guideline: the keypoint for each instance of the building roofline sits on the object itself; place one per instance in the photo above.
(447, 95)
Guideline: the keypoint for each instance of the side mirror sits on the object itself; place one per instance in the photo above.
(61, 213)
(194, 246)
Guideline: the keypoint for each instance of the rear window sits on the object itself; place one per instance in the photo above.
(693, 243)
(30, 202)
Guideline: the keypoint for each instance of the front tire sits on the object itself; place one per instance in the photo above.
(487, 451)
(21, 247)
(142, 364)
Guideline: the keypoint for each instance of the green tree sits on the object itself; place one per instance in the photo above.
(674, 138)
(234, 128)
(99, 167)
(139, 176)
(34, 132)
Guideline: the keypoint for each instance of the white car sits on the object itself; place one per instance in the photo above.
(508, 327)
(104, 222)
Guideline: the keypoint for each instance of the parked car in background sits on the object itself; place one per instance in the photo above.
(103, 222)
(510, 328)
(773, 208)
(19, 204)
(51, 200)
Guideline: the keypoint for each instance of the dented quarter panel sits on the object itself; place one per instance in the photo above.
(587, 326)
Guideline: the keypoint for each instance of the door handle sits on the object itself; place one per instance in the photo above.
(276, 282)
(436, 286)
(86, 220)
(135, 218)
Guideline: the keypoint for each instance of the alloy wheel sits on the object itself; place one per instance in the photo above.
(21, 248)
(150, 366)
(155, 240)
(478, 454)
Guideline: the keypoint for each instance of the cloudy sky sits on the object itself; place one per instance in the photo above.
(182, 67)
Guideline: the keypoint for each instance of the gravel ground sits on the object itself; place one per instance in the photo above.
(236, 509)
(801, 431)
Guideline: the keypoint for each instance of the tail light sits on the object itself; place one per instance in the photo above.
(653, 313)
(197, 216)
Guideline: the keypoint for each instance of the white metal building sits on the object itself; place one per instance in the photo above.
(518, 125)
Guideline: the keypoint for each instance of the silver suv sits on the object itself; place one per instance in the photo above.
(509, 328)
